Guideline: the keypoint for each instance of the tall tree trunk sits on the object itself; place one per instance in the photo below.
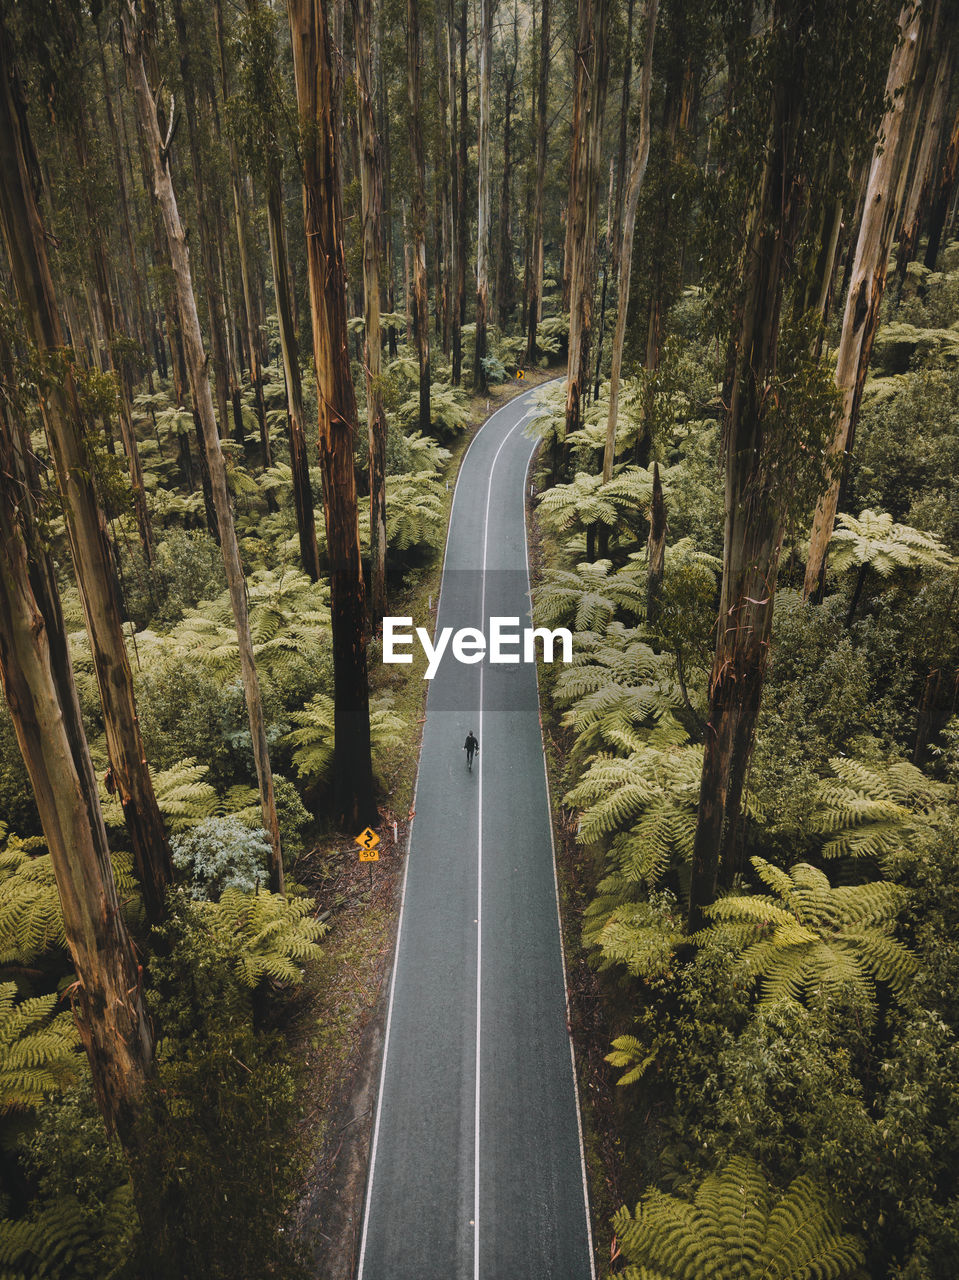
(655, 547)
(371, 196)
(861, 317)
(442, 176)
(754, 503)
(389, 260)
(421, 302)
(480, 379)
(337, 408)
(196, 360)
(26, 240)
(623, 148)
(588, 108)
(239, 217)
(461, 203)
(942, 195)
(624, 252)
(933, 117)
(208, 255)
(505, 284)
(534, 302)
(289, 347)
(38, 685)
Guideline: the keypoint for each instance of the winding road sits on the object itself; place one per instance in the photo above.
(476, 1165)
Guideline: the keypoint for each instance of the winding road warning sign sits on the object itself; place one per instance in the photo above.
(368, 840)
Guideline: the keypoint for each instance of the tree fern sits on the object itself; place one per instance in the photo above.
(38, 1049)
(737, 1228)
(312, 740)
(272, 935)
(589, 597)
(872, 810)
(30, 920)
(415, 511)
(874, 539)
(185, 798)
(807, 935)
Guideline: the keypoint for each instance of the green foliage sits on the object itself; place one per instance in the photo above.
(588, 501)
(312, 741)
(222, 1137)
(268, 935)
(222, 853)
(38, 1049)
(877, 541)
(737, 1228)
(30, 920)
(415, 511)
(185, 798)
(588, 597)
(871, 810)
(810, 935)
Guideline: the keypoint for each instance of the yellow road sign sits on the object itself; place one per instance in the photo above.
(520, 375)
(368, 840)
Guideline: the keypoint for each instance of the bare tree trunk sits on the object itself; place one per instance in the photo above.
(421, 302)
(480, 380)
(196, 360)
(622, 150)
(624, 252)
(337, 408)
(534, 302)
(655, 547)
(249, 305)
(933, 118)
(754, 505)
(442, 177)
(460, 202)
(371, 192)
(289, 347)
(26, 240)
(588, 107)
(861, 317)
(942, 195)
(505, 283)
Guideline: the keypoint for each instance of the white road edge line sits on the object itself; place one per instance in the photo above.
(409, 849)
(559, 913)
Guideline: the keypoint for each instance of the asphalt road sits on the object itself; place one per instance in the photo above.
(476, 1169)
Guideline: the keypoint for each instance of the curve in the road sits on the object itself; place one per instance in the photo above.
(476, 1164)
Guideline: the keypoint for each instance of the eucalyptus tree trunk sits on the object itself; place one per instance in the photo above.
(460, 203)
(421, 302)
(196, 360)
(480, 380)
(505, 284)
(942, 195)
(933, 115)
(884, 193)
(588, 107)
(624, 253)
(312, 65)
(534, 301)
(754, 520)
(41, 696)
(622, 148)
(239, 218)
(655, 548)
(289, 347)
(371, 194)
(208, 251)
(26, 242)
(442, 180)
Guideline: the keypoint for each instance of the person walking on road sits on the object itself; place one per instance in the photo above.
(471, 746)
